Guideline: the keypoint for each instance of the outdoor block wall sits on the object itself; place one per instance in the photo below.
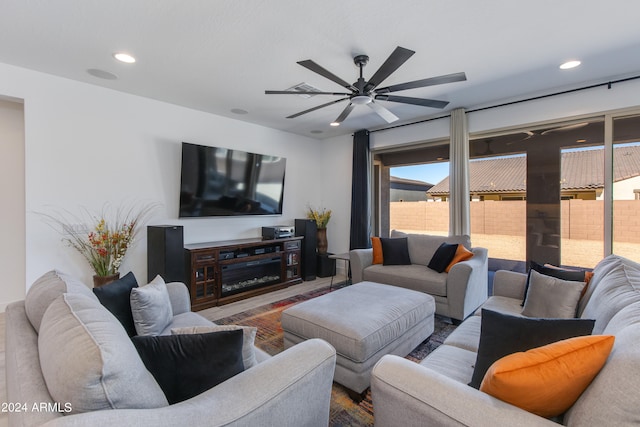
(581, 219)
(496, 217)
(626, 221)
(419, 216)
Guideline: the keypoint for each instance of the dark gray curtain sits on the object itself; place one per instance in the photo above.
(360, 192)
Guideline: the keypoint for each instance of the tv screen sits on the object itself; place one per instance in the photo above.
(222, 182)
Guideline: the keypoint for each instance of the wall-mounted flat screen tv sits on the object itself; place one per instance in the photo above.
(223, 182)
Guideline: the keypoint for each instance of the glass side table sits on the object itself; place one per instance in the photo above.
(347, 265)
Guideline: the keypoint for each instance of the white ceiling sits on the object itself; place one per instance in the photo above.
(219, 55)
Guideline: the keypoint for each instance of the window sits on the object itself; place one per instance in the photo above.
(554, 193)
(416, 206)
(626, 181)
(497, 175)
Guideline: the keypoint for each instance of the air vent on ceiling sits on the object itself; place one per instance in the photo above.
(304, 87)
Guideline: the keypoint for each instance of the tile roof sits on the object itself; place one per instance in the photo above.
(396, 179)
(580, 170)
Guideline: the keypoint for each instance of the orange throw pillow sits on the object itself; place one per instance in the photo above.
(462, 254)
(548, 380)
(377, 250)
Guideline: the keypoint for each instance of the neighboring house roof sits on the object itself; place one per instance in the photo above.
(581, 170)
(397, 183)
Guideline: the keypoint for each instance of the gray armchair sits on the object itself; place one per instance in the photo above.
(457, 293)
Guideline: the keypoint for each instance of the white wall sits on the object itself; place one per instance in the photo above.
(12, 226)
(624, 190)
(87, 145)
(336, 180)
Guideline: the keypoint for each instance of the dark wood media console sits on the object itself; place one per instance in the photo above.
(218, 273)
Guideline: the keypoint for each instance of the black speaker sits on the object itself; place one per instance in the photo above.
(165, 252)
(307, 228)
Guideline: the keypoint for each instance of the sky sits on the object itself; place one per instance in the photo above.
(432, 173)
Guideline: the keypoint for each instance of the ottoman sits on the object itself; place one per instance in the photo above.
(363, 322)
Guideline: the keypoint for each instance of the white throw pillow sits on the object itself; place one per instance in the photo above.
(552, 298)
(151, 307)
(248, 338)
(89, 361)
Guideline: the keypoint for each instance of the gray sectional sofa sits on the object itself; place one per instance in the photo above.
(61, 338)
(457, 293)
(435, 392)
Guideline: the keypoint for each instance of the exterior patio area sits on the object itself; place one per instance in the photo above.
(575, 252)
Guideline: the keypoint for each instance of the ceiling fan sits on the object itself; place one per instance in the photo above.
(365, 92)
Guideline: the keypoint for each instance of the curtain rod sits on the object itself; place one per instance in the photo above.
(504, 104)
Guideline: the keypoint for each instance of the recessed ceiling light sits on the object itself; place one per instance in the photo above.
(581, 140)
(334, 124)
(101, 74)
(239, 111)
(124, 57)
(569, 64)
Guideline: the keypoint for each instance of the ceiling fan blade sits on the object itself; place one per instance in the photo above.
(309, 64)
(387, 115)
(345, 113)
(415, 101)
(432, 81)
(299, 92)
(293, 116)
(393, 62)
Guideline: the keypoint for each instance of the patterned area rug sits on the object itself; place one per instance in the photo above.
(343, 411)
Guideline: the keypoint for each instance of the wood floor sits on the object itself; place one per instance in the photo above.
(215, 313)
(244, 305)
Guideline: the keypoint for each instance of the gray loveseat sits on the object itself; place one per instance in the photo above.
(435, 392)
(292, 388)
(457, 293)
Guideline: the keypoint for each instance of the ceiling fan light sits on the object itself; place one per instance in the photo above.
(361, 99)
(334, 124)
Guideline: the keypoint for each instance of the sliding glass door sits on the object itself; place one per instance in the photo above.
(626, 187)
(562, 193)
(497, 186)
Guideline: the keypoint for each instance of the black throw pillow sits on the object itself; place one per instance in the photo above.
(558, 273)
(187, 365)
(115, 297)
(443, 256)
(395, 251)
(502, 334)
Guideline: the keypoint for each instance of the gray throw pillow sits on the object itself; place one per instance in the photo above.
(46, 289)
(561, 273)
(151, 307)
(88, 360)
(248, 338)
(550, 297)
